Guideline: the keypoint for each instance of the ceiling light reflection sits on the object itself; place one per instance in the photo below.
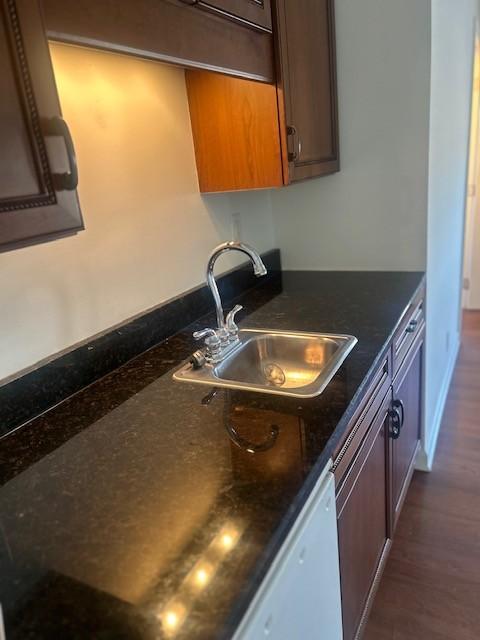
(173, 616)
(174, 613)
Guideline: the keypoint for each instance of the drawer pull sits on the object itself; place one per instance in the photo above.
(397, 418)
(394, 424)
(399, 405)
(293, 156)
(65, 181)
(412, 325)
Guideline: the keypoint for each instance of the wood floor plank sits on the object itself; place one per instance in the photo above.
(430, 589)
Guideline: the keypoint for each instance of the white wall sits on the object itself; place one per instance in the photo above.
(371, 215)
(148, 231)
(451, 85)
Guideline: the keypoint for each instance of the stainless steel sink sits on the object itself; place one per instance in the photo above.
(279, 362)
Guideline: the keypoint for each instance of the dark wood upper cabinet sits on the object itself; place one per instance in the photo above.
(38, 175)
(256, 14)
(227, 36)
(307, 87)
(303, 142)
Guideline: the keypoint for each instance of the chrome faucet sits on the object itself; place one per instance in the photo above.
(221, 341)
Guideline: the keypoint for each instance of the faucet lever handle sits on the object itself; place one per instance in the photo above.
(198, 335)
(230, 319)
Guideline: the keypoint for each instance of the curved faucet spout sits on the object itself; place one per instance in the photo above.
(259, 269)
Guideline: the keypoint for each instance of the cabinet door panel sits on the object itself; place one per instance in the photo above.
(34, 201)
(306, 33)
(363, 524)
(21, 177)
(407, 390)
(256, 12)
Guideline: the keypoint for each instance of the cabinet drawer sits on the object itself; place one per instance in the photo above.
(411, 326)
(362, 419)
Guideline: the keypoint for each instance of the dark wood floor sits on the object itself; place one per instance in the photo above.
(431, 586)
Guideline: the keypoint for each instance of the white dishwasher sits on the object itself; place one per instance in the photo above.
(299, 598)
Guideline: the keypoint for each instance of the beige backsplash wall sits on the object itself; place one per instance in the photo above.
(148, 230)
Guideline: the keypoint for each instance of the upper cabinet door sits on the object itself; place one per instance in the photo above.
(307, 87)
(38, 174)
(253, 13)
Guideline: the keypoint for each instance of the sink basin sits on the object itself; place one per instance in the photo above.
(279, 362)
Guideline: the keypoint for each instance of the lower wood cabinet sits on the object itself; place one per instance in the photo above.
(374, 467)
(406, 401)
(363, 522)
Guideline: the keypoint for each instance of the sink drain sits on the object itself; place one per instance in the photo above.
(274, 374)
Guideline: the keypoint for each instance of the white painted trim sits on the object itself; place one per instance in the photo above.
(426, 453)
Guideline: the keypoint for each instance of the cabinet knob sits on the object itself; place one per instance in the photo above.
(412, 325)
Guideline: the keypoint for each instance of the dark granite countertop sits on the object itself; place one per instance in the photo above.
(129, 500)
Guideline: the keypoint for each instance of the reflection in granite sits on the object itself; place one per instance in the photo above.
(129, 511)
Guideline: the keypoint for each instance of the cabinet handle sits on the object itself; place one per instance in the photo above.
(65, 181)
(293, 156)
(399, 405)
(412, 325)
(395, 423)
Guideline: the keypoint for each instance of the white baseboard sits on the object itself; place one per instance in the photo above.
(426, 453)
